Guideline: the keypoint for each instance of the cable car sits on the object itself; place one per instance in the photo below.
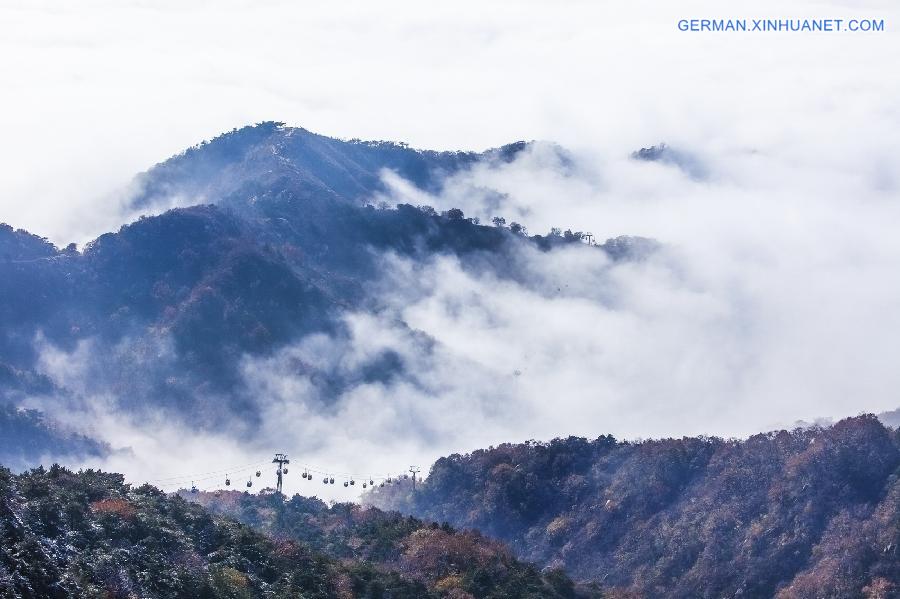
(258, 474)
(325, 480)
(227, 481)
(193, 488)
(303, 475)
(364, 485)
(352, 482)
(389, 480)
(284, 470)
(331, 480)
(382, 484)
(346, 483)
(371, 483)
(249, 483)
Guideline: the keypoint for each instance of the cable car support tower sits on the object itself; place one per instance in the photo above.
(281, 459)
(414, 470)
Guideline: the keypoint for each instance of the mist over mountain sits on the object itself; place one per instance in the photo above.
(333, 299)
(568, 300)
(29, 436)
(279, 241)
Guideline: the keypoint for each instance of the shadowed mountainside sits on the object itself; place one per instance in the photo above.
(158, 315)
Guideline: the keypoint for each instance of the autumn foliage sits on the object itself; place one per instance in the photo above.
(806, 513)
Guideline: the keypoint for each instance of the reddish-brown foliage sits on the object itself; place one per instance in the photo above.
(118, 507)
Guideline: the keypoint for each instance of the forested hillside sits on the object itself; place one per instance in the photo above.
(807, 513)
(82, 535)
(461, 563)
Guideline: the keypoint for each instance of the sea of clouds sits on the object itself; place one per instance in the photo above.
(774, 296)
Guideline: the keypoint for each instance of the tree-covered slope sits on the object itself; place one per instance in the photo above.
(459, 563)
(80, 535)
(807, 513)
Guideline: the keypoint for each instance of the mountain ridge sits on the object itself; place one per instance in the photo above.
(237, 166)
(806, 513)
(174, 301)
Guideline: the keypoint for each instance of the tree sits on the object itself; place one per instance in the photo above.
(517, 228)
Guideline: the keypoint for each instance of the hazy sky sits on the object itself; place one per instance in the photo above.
(97, 90)
(776, 297)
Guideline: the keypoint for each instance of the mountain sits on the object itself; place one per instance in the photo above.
(246, 164)
(890, 418)
(159, 315)
(288, 203)
(27, 436)
(218, 287)
(278, 237)
(812, 512)
(86, 534)
(662, 153)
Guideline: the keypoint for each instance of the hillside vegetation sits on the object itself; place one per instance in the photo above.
(462, 563)
(809, 513)
(87, 534)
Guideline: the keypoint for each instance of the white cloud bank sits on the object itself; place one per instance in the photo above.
(776, 297)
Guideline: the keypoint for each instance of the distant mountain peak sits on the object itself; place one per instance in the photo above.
(663, 153)
(238, 165)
